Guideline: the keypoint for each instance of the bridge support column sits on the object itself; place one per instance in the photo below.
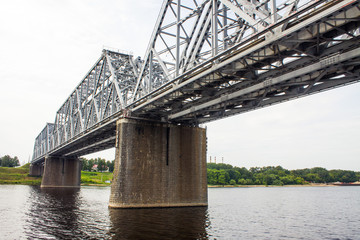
(159, 165)
(36, 169)
(61, 172)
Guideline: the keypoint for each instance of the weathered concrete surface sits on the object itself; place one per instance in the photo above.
(61, 172)
(36, 169)
(158, 165)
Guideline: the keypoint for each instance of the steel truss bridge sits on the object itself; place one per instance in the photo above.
(210, 59)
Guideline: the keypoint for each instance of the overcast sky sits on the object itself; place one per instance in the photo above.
(47, 47)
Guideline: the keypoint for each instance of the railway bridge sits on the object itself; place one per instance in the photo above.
(206, 60)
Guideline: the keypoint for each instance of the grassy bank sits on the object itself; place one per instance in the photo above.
(20, 175)
(96, 178)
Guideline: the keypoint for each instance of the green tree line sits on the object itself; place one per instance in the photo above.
(226, 174)
(7, 161)
(102, 164)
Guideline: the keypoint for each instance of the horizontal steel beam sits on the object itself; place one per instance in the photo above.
(270, 82)
(106, 143)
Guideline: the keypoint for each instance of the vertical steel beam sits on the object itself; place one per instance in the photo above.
(178, 26)
(225, 33)
(273, 11)
(214, 29)
(151, 72)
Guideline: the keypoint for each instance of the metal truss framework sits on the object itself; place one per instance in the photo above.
(209, 59)
(101, 94)
(42, 141)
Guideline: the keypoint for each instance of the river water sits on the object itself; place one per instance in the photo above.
(28, 212)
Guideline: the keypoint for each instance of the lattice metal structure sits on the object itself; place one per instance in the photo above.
(295, 34)
(209, 59)
(101, 95)
(103, 92)
(189, 32)
(42, 141)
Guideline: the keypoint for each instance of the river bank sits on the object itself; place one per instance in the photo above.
(18, 175)
(255, 186)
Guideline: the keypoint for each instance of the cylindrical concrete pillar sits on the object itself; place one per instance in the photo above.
(159, 165)
(61, 172)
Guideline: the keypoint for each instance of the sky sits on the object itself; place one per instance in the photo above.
(48, 46)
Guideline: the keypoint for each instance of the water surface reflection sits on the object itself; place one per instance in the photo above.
(53, 212)
(159, 223)
(66, 213)
(238, 213)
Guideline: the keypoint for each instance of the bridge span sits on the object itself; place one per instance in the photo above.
(206, 60)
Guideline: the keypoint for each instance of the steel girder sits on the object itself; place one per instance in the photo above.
(311, 34)
(209, 59)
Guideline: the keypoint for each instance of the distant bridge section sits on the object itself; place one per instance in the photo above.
(87, 118)
(210, 59)
(42, 142)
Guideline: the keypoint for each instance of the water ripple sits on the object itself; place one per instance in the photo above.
(254, 213)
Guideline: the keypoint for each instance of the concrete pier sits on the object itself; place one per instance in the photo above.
(36, 169)
(61, 172)
(159, 165)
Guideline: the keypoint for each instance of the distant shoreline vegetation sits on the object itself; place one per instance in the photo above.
(226, 174)
(7, 161)
(98, 171)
